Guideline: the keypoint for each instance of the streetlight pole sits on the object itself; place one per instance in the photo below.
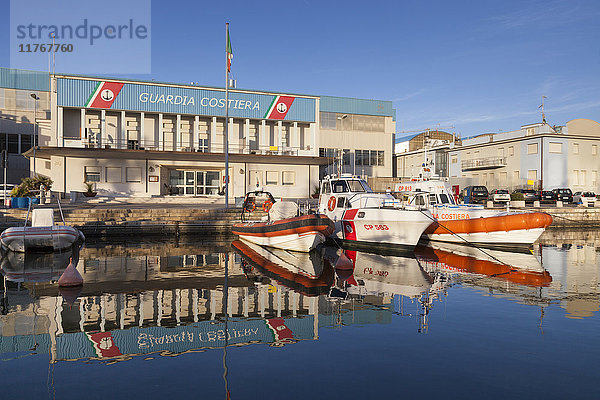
(35, 98)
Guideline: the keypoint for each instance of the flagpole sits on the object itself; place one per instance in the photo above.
(226, 116)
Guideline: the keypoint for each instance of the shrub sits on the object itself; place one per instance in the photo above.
(516, 196)
(28, 185)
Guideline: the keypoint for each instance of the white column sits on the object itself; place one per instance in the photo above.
(122, 144)
(279, 295)
(59, 128)
(103, 138)
(234, 138)
(279, 136)
(313, 140)
(195, 133)
(160, 307)
(295, 138)
(82, 125)
(161, 135)
(142, 131)
(177, 295)
(214, 146)
(246, 148)
(263, 141)
(177, 144)
(102, 312)
(195, 295)
(246, 302)
(121, 302)
(81, 313)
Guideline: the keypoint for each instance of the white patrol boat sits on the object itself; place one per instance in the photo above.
(370, 219)
(468, 223)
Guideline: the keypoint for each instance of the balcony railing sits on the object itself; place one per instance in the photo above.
(483, 163)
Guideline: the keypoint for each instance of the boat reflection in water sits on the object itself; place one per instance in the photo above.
(520, 268)
(37, 266)
(306, 273)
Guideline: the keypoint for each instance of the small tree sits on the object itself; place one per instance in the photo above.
(28, 186)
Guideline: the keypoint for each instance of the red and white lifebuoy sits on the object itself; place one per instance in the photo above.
(331, 203)
(267, 205)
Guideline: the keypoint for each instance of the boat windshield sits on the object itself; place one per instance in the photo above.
(359, 186)
(339, 186)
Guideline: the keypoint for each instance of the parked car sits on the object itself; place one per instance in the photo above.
(563, 194)
(499, 196)
(475, 194)
(547, 196)
(585, 198)
(529, 195)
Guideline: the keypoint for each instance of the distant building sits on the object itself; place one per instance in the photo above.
(537, 156)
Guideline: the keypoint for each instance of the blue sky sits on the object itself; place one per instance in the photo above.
(479, 66)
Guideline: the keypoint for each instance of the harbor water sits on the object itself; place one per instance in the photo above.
(202, 319)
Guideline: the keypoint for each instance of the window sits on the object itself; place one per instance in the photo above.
(500, 151)
(203, 145)
(554, 147)
(328, 120)
(454, 159)
(113, 174)
(339, 187)
(582, 177)
(92, 174)
(511, 150)
(530, 131)
(380, 158)
(594, 179)
(575, 148)
(133, 174)
(272, 178)
(516, 177)
(594, 149)
(346, 156)
(575, 178)
(26, 142)
(531, 176)
(532, 148)
(288, 178)
(325, 189)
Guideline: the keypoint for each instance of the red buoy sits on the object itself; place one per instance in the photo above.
(70, 277)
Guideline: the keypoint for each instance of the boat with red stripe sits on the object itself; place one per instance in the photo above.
(368, 219)
(302, 233)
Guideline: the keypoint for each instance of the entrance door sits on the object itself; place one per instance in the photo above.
(194, 183)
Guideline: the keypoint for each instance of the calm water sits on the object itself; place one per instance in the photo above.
(201, 319)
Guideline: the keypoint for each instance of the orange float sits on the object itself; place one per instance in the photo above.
(498, 223)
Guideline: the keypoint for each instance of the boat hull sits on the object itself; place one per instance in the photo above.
(518, 229)
(298, 234)
(22, 239)
(384, 227)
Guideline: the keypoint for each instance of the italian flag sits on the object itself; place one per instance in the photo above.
(279, 107)
(229, 52)
(104, 344)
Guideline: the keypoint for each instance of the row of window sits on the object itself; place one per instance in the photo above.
(288, 178)
(113, 174)
(15, 143)
(352, 122)
(361, 157)
(532, 148)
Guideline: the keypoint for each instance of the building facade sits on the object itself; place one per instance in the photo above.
(146, 138)
(537, 156)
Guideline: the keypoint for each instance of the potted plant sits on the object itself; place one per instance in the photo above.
(517, 199)
(316, 192)
(20, 196)
(90, 190)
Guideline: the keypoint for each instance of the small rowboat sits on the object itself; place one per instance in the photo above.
(302, 233)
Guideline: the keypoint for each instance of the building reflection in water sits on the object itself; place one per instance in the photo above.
(165, 299)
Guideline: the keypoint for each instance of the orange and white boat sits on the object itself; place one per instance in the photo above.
(302, 233)
(472, 224)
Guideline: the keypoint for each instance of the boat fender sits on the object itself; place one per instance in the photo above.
(331, 203)
(267, 205)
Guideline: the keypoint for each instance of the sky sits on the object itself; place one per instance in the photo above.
(468, 67)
